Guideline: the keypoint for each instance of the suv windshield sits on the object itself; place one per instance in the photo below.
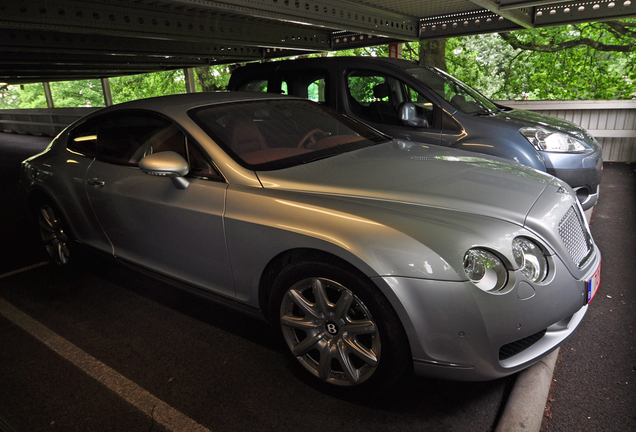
(460, 95)
(273, 134)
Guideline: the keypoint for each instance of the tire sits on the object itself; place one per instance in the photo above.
(56, 236)
(338, 330)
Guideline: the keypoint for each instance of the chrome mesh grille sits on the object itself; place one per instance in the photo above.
(575, 237)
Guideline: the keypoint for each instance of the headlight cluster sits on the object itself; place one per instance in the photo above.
(488, 273)
(530, 259)
(485, 270)
(545, 140)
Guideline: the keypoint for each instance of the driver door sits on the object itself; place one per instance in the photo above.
(151, 223)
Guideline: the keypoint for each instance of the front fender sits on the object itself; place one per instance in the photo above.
(515, 152)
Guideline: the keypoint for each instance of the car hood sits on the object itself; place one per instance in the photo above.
(420, 175)
(523, 118)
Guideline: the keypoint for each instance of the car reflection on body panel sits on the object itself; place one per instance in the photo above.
(367, 255)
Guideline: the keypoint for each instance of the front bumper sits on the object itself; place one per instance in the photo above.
(461, 333)
(583, 172)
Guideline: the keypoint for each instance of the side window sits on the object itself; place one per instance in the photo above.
(424, 108)
(83, 139)
(382, 99)
(307, 84)
(374, 97)
(125, 138)
(199, 165)
(316, 91)
(460, 99)
(256, 85)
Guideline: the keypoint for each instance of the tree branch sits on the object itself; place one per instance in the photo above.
(555, 47)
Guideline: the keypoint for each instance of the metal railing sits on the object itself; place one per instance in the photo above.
(40, 121)
(612, 123)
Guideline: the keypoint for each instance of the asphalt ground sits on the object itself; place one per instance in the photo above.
(594, 384)
(161, 353)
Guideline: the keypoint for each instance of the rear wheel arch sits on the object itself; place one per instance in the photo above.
(60, 242)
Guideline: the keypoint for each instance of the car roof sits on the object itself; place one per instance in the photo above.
(385, 61)
(187, 101)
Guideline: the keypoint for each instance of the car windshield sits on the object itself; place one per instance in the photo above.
(460, 95)
(273, 134)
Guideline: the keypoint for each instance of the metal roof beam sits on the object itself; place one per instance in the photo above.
(158, 24)
(577, 12)
(521, 17)
(469, 23)
(330, 14)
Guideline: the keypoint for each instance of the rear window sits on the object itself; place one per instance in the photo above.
(274, 134)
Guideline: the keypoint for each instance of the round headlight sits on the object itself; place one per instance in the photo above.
(530, 259)
(485, 270)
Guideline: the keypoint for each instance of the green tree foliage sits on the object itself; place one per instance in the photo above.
(212, 78)
(85, 93)
(578, 61)
(132, 87)
(22, 96)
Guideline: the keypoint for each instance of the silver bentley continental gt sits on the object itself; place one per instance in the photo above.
(369, 256)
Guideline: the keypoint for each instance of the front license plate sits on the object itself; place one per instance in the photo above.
(593, 284)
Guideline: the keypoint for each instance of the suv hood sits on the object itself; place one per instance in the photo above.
(523, 118)
(417, 174)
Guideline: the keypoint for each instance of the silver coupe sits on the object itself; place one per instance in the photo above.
(369, 256)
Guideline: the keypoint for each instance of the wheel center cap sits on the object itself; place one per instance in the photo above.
(332, 328)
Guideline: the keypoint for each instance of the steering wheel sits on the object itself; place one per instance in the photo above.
(311, 138)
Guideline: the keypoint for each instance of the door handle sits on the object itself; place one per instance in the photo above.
(96, 183)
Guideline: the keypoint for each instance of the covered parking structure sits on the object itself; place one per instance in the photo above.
(42, 41)
(53, 40)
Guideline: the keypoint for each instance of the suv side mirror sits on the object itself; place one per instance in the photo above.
(408, 115)
(166, 164)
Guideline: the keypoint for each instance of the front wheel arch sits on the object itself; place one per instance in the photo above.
(384, 338)
(284, 259)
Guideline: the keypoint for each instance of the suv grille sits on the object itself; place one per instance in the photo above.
(575, 237)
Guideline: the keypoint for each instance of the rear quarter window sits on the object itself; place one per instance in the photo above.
(83, 138)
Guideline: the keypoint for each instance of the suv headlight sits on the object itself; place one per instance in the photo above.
(530, 259)
(545, 140)
(485, 270)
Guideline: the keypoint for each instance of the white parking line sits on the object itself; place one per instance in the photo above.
(23, 269)
(153, 407)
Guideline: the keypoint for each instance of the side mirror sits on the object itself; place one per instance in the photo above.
(408, 115)
(166, 164)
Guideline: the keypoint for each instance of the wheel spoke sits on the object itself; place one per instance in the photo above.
(300, 301)
(45, 225)
(352, 374)
(307, 344)
(64, 253)
(361, 352)
(322, 302)
(343, 305)
(301, 323)
(359, 327)
(324, 367)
